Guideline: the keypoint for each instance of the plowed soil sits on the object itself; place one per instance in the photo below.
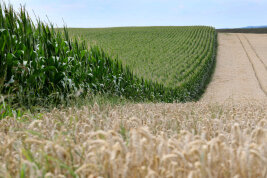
(241, 69)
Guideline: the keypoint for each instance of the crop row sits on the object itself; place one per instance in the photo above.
(40, 65)
(166, 55)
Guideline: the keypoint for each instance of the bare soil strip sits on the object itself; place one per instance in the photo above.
(256, 63)
(259, 43)
(241, 70)
(254, 50)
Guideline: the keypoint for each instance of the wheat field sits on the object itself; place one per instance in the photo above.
(138, 140)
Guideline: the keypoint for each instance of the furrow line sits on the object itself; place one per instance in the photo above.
(253, 66)
(254, 50)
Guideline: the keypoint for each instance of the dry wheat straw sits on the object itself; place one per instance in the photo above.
(141, 140)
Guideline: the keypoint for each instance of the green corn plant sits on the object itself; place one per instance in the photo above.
(40, 65)
(7, 110)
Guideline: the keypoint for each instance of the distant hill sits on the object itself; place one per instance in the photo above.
(248, 29)
(263, 26)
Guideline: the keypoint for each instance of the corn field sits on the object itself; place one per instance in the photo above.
(40, 65)
(167, 55)
(138, 140)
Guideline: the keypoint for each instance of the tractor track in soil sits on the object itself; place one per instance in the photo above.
(241, 71)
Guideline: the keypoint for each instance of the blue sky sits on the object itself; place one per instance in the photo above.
(112, 13)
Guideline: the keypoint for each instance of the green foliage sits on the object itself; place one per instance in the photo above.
(166, 55)
(7, 110)
(39, 65)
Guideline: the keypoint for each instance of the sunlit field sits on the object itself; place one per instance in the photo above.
(121, 103)
(139, 140)
(168, 55)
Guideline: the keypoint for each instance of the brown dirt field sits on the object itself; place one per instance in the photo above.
(241, 71)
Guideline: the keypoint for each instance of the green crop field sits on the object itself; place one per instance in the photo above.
(167, 55)
(41, 65)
